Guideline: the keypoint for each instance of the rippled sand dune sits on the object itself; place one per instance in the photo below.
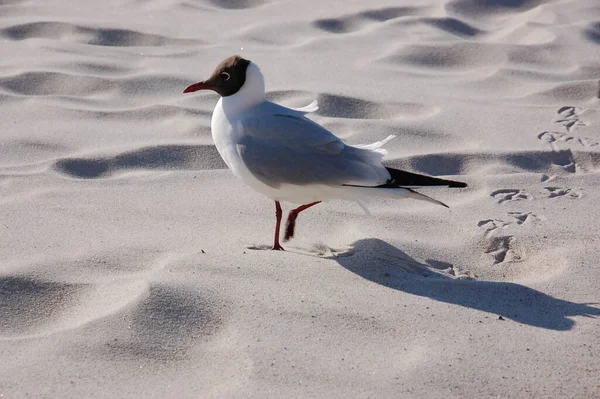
(133, 261)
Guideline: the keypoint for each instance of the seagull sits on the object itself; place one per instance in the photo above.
(280, 153)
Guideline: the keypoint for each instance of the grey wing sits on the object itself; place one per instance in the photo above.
(286, 149)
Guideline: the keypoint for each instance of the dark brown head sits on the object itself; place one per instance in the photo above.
(227, 79)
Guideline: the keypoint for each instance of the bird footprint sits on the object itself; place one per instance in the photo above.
(553, 138)
(503, 249)
(509, 194)
(490, 226)
(569, 117)
(521, 217)
(553, 192)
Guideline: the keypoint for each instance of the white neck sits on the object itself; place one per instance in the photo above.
(251, 93)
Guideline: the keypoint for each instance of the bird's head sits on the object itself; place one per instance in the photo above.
(227, 79)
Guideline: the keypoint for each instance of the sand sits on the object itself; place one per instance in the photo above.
(133, 263)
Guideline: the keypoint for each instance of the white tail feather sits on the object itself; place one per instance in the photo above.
(376, 146)
(312, 107)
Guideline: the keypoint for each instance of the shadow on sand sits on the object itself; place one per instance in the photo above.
(384, 264)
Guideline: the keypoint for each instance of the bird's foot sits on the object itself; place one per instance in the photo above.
(290, 227)
(277, 247)
(291, 221)
(289, 233)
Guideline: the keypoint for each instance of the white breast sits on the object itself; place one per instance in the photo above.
(226, 137)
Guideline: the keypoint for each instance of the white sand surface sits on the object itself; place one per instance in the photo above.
(126, 260)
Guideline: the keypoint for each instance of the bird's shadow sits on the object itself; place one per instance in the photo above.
(384, 264)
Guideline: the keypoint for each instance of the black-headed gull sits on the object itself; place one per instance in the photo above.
(283, 155)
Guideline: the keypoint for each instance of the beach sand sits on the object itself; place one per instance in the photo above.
(133, 263)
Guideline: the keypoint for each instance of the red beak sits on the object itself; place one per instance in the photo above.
(198, 86)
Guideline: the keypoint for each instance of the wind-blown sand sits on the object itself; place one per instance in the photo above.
(127, 267)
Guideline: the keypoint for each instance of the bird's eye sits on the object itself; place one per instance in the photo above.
(225, 76)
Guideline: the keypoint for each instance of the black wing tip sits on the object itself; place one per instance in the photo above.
(402, 178)
(457, 184)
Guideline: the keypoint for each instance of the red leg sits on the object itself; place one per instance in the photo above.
(278, 215)
(291, 221)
